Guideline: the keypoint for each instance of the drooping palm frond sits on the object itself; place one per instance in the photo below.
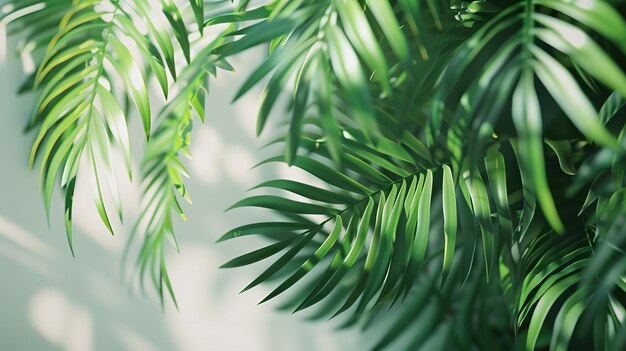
(72, 126)
(95, 53)
(163, 172)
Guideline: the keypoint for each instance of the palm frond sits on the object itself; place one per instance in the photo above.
(375, 228)
(163, 174)
(163, 171)
(96, 53)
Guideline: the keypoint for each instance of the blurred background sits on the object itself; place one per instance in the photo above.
(51, 301)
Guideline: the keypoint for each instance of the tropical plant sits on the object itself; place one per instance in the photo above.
(469, 157)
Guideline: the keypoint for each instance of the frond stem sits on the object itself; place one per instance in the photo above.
(529, 9)
(100, 60)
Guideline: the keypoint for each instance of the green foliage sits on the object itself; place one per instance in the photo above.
(469, 157)
(96, 54)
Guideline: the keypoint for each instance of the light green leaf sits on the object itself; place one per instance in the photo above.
(364, 41)
(448, 195)
(526, 115)
(544, 306)
(349, 73)
(131, 74)
(566, 92)
(388, 22)
(575, 43)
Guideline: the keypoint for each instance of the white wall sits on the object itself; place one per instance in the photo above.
(49, 300)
